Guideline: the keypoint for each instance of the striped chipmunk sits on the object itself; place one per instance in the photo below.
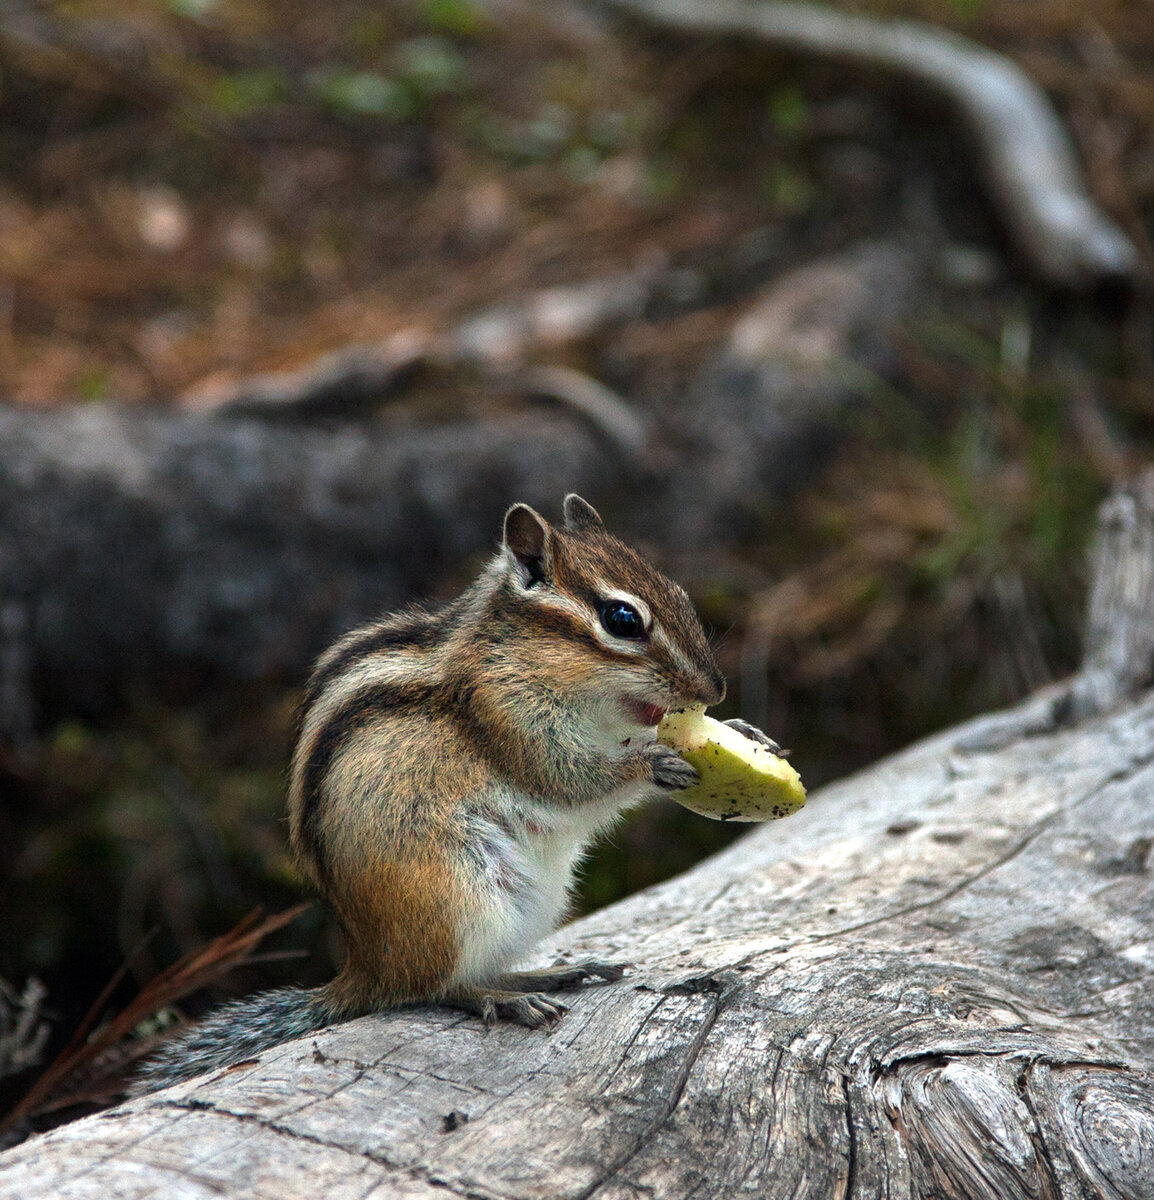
(451, 769)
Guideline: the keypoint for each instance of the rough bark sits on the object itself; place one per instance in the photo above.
(934, 980)
(142, 544)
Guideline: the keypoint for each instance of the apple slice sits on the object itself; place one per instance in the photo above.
(741, 780)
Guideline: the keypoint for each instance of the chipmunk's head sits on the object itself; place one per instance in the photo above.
(611, 625)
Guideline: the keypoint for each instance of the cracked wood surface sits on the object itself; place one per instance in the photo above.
(934, 980)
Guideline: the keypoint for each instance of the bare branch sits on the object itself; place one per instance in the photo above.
(1029, 163)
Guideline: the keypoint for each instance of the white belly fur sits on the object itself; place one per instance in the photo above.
(531, 851)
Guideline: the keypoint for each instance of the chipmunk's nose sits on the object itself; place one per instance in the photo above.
(712, 689)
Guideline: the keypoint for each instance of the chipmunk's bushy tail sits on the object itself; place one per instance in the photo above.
(239, 1031)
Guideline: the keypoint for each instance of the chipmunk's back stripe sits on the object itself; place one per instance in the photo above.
(415, 629)
(343, 723)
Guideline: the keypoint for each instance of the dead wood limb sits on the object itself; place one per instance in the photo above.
(1029, 163)
(134, 543)
(935, 979)
(767, 409)
(137, 545)
(355, 379)
(603, 408)
(347, 382)
(1118, 655)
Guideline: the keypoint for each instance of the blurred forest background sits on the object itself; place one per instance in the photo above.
(197, 192)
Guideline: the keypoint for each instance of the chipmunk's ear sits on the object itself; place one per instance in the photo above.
(527, 544)
(580, 514)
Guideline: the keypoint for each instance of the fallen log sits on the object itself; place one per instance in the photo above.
(137, 543)
(135, 546)
(934, 980)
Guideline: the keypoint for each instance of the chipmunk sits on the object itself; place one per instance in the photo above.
(451, 768)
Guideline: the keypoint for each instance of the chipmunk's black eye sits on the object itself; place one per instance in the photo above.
(622, 620)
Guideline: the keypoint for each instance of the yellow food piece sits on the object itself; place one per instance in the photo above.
(740, 779)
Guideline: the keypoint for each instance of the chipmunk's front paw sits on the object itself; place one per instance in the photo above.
(670, 771)
(755, 735)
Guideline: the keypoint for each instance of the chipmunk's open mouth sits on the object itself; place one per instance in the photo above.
(642, 713)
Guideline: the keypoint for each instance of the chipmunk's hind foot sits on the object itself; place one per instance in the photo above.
(519, 995)
(562, 977)
(495, 1004)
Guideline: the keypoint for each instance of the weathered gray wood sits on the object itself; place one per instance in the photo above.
(1119, 653)
(934, 980)
(138, 543)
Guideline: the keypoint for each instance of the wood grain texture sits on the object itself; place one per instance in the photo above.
(934, 980)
